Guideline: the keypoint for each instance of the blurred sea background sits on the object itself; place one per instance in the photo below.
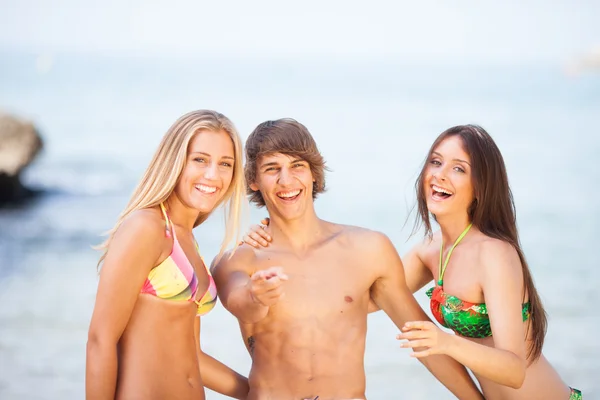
(375, 84)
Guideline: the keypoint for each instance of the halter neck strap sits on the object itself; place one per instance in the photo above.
(442, 269)
(169, 226)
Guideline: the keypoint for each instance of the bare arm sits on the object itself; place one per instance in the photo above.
(134, 250)
(217, 376)
(505, 363)
(416, 273)
(391, 293)
(245, 294)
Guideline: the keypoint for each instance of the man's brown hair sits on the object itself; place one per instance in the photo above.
(285, 136)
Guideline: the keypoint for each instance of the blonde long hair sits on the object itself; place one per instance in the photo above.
(161, 176)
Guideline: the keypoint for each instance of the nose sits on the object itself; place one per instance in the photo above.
(440, 174)
(211, 171)
(285, 177)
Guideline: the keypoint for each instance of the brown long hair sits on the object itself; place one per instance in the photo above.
(492, 211)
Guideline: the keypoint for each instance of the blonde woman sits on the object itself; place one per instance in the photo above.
(144, 336)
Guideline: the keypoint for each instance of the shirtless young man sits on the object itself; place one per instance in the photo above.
(302, 302)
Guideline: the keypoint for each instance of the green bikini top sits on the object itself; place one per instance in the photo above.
(464, 318)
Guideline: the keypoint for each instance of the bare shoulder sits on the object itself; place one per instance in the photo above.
(498, 257)
(144, 226)
(241, 258)
(366, 240)
(138, 242)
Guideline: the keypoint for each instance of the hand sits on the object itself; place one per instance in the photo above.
(427, 335)
(266, 286)
(258, 235)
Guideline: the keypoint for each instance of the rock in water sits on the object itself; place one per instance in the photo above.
(20, 143)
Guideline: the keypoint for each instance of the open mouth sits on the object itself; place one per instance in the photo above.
(206, 189)
(289, 195)
(439, 193)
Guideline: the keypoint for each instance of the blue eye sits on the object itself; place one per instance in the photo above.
(435, 162)
(200, 159)
(226, 164)
(459, 169)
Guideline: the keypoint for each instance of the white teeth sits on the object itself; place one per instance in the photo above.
(206, 189)
(441, 190)
(289, 194)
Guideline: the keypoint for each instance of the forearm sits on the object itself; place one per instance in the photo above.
(448, 371)
(500, 366)
(222, 379)
(241, 304)
(452, 375)
(100, 372)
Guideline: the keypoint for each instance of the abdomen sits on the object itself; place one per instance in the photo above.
(308, 357)
(157, 352)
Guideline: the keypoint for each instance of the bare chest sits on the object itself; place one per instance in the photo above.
(321, 284)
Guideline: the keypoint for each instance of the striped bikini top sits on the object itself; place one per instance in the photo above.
(175, 278)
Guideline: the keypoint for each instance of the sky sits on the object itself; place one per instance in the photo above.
(509, 31)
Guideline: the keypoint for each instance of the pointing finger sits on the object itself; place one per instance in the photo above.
(273, 282)
(282, 276)
(258, 276)
(274, 271)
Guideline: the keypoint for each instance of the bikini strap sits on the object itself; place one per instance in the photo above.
(442, 269)
(169, 226)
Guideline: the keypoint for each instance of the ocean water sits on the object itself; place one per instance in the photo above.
(101, 119)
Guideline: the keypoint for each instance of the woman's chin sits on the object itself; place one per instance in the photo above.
(204, 207)
(436, 208)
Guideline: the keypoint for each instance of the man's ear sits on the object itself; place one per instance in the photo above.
(254, 187)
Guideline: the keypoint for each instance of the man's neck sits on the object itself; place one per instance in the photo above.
(298, 234)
